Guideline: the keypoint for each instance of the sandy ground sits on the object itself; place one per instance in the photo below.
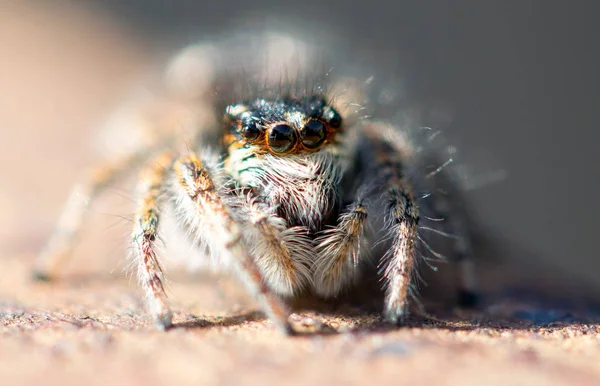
(90, 327)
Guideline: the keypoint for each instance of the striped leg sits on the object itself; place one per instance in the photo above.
(144, 236)
(402, 217)
(211, 217)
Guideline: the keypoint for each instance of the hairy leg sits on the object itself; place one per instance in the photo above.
(58, 249)
(144, 237)
(338, 251)
(401, 218)
(208, 214)
(283, 254)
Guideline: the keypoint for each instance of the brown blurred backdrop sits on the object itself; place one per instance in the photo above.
(519, 77)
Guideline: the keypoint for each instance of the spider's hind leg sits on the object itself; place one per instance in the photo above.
(145, 236)
(58, 250)
(455, 227)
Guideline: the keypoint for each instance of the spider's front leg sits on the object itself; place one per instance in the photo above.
(207, 212)
(340, 251)
(282, 253)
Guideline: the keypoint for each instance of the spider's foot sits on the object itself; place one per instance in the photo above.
(397, 316)
(46, 267)
(288, 330)
(302, 324)
(42, 276)
(163, 320)
(284, 327)
(468, 298)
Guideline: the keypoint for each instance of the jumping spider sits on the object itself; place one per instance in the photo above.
(288, 188)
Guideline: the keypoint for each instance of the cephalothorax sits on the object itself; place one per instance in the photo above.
(284, 195)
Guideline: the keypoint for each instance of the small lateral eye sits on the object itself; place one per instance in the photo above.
(281, 138)
(251, 131)
(314, 106)
(334, 119)
(313, 134)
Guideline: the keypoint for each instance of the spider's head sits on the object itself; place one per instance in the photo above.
(282, 126)
(291, 151)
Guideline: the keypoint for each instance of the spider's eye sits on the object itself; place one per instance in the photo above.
(334, 119)
(251, 131)
(314, 106)
(313, 133)
(281, 138)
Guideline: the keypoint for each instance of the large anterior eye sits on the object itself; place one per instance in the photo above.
(281, 138)
(313, 134)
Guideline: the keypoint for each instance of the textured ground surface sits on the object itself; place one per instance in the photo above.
(90, 327)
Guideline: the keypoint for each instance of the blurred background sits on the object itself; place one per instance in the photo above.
(518, 78)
